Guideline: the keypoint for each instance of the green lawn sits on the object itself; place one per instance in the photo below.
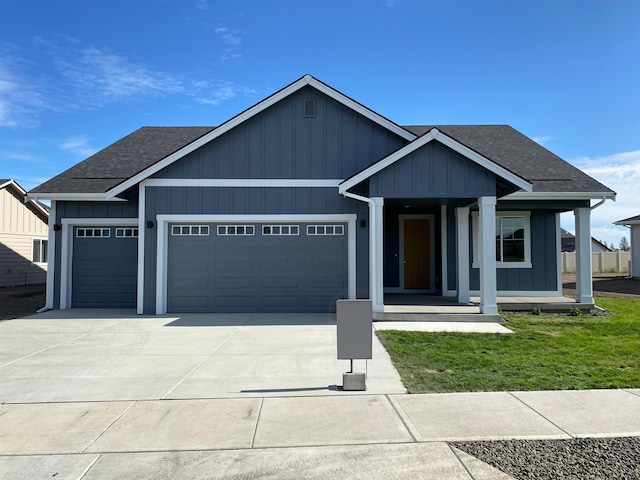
(545, 353)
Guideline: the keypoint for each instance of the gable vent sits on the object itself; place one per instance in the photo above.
(309, 108)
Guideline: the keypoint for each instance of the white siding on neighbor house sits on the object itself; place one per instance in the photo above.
(635, 250)
(19, 226)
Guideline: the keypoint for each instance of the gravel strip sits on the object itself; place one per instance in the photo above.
(580, 458)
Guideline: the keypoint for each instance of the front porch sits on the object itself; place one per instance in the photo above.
(425, 308)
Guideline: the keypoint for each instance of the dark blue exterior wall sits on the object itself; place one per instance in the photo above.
(250, 201)
(543, 274)
(128, 209)
(281, 142)
(433, 171)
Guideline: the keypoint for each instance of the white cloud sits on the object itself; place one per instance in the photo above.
(101, 77)
(391, 3)
(230, 37)
(78, 145)
(543, 139)
(216, 93)
(20, 156)
(621, 173)
(202, 5)
(20, 97)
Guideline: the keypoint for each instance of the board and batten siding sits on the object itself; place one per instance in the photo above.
(433, 171)
(281, 142)
(250, 201)
(19, 225)
(543, 274)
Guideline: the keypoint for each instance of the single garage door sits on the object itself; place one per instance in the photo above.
(105, 265)
(256, 267)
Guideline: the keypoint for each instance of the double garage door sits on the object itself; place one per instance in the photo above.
(256, 267)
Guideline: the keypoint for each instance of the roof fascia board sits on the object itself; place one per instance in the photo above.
(435, 134)
(99, 197)
(27, 200)
(560, 196)
(251, 112)
(627, 223)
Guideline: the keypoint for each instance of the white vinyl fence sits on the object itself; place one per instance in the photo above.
(601, 262)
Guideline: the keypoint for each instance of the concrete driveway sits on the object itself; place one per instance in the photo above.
(110, 355)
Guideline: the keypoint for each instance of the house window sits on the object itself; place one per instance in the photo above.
(126, 232)
(40, 250)
(241, 230)
(325, 230)
(280, 230)
(512, 240)
(93, 232)
(189, 230)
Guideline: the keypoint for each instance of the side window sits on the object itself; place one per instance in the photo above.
(40, 250)
(512, 239)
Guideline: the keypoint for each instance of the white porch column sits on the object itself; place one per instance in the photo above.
(584, 286)
(488, 283)
(376, 261)
(462, 254)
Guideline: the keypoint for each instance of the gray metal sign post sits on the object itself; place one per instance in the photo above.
(354, 335)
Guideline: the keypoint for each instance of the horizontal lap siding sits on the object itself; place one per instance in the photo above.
(19, 225)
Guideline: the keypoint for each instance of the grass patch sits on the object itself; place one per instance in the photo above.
(544, 353)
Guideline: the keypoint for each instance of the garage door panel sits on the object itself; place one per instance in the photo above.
(104, 270)
(245, 273)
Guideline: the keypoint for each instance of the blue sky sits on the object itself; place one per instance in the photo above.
(77, 75)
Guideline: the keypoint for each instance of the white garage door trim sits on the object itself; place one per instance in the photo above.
(163, 231)
(66, 253)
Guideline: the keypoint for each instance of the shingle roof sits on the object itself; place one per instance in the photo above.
(629, 220)
(122, 160)
(501, 144)
(519, 154)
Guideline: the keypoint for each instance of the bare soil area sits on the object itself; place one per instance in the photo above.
(605, 285)
(16, 302)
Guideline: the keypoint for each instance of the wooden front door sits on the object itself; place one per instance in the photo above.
(417, 257)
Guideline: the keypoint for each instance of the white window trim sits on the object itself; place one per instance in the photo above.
(325, 234)
(280, 226)
(190, 234)
(225, 230)
(66, 252)
(163, 222)
(41, 239)
(134, 233)
(527, 239)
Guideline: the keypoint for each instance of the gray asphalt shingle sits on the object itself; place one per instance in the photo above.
(146, 146)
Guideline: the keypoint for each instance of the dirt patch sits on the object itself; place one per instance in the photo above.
(16, 302)
(605, 285)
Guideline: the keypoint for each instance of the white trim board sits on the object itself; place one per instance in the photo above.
(163, 231)
(251, 112)
(66, 251)
(435, 134)
(560, 196)
(242, 182)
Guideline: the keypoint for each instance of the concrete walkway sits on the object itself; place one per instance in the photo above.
(100, 395)
(361, 436)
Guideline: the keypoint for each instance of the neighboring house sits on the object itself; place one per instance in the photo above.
(634, 225)
(23, 237)
(309, 196)
(569, 243)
